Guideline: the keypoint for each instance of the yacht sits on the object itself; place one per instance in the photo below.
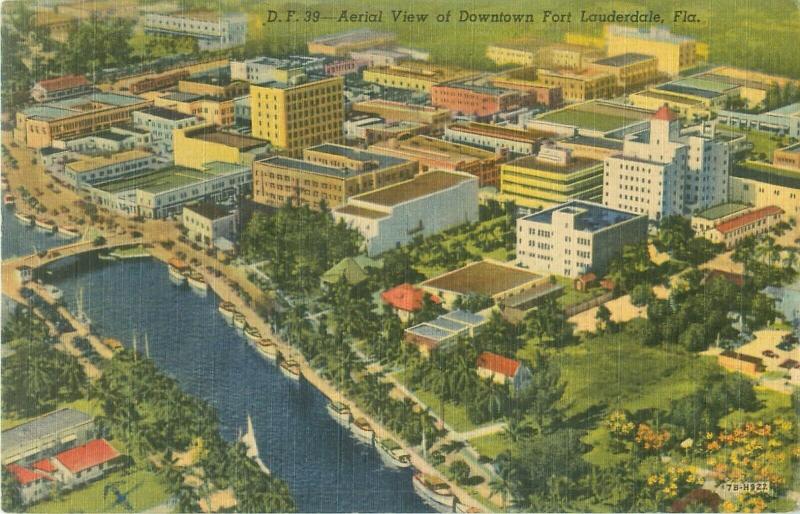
(197, 282)
(228, 310)
(48, 225)
(268, 348)
(69, 231)
(249, 441)
(239, 321)
(252, 334)
(363, 431)
(339, 412)
(291, 369)
(392, 454)
(25, 219)
(434, 491)
(177, 268)
(9, 200)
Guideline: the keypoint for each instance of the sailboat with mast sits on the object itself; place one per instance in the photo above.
(249, 441)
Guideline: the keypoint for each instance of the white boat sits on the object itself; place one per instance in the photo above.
(291, 369)
(9, 200)
(363, 431)
(53, 291)
(252, 334)
(392, 454)
(196, 281)
(249, 441)
(239, 321)
(268, 348)
(177, 268)
(25, 219)
(339, 412)
(433, 490)
(69, 231)
(106, 256)
(228, 310)
(48, 225)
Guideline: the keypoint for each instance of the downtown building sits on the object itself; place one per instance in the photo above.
(662, 172)
(212, 31)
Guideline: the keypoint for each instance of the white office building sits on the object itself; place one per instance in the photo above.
(425, 205)
(662, 172)
(576, 237)
(161, 122)
(211, 30)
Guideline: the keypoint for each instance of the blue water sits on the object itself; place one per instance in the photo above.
(327, 471)
(18, 239)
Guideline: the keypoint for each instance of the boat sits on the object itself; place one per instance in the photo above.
(339, 412)
(291, 369)
(252, 334)
(228, 310)
(460, 507)
(434, 490)
(9, 200)
(48, 225)
(53, 291)
(176, 271)
(363, 431)
(69, 231)
(106, 256)
(197, 281)
(268, 348)
(249, 441)
(392, 454)
(25, 219)
(239, 321)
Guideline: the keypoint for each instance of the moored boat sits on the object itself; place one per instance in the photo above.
(339, 412)
(176, 271)
(53, 291)
(363, 431)
(48, 225)
(228, 310)
(239, 321)
(252, 334)
(106, 256)
(9, 200)
(291, 369)
(268, 348)
(69, 230)
(434, 490)
(197, 281)
(25, 219)
(392, 454)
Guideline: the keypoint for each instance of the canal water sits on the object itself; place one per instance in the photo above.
(326, 470)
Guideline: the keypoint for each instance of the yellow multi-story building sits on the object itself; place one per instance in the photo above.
(37, 126)
(579, 86)
(415, 75)
(328, 173)
(296, 116)
(550, 178)
(674, 53)
(196, 146)
(575, 38)
(522, 55)
(761, 185)
(686, 107)
(217, 110)
(568, 56)
(341, 44)
(632, 71)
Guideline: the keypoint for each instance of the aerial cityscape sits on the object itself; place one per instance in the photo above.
(364, 257)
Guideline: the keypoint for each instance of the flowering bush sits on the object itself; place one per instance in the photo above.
(649, 439)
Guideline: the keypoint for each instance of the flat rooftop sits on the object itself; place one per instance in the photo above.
(722, 210)
(167, 114)
(483, 277)
(308, 167)
(43, 426)
(80, 105)
(94, 163)
(216, 77)
(232, 139)
(399, 106)
(795, 148)
(208, 210)
(624, 60)
(574, 164)
(488, 129)
(480, 88)
(356, 154)
(423, 71)
(668, 97)
(361, 212)
(177, 96)
(169, 178)
(434, 148)
(592, 217)
(419, 186)
(766, 173)
(697, 87)
(597, 115)
(649, 33)
(350, 37)
(598, 142)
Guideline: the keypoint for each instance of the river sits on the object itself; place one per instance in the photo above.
(326, 470)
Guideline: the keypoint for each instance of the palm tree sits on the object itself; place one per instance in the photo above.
(504, 482)
(517, 428)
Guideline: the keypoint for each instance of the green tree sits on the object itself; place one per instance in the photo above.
(12, 499)
(459, 471)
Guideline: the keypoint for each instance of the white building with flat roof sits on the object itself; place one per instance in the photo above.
(212, 31)
(662, 172)
(161, 122)
(576, 237)
(427, 204)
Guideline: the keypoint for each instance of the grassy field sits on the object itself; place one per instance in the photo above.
(572, 296)
(82, 405)
(763, 142)
(587, 120)
(142, 488)
(454, 415)
(491, 445)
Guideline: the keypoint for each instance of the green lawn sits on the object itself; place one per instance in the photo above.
(143, 489)
(763, 142)
(572, 296)
(491, 445)
(82, 404)
(454, 415)
(588, 120)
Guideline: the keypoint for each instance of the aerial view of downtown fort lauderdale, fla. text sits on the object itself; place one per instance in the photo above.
(400, 256)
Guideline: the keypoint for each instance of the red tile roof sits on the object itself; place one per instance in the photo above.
(87, 456)
(45, 465)
(406, 297)
(498, 364)
(664, 113)
(24, 475)
(65, 82)
(747, 218)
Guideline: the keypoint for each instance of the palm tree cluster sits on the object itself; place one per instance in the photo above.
(151, 415)
(299, 244)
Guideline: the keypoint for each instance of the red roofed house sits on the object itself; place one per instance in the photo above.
(751, 223)
(406, 299)
(61, 87)
(33, 485)
(503, 370)
(84, 463)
